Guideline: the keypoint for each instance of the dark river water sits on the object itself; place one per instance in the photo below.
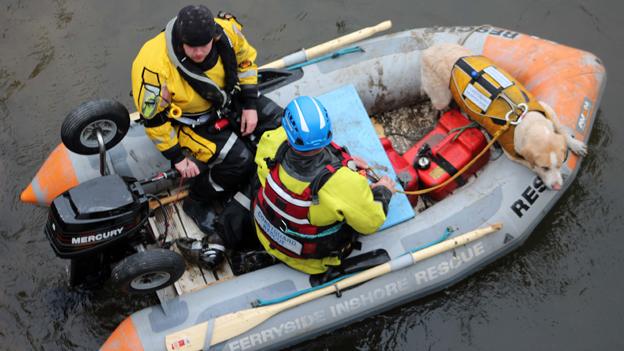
(561, 290)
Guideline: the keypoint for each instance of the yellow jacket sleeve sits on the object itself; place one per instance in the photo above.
(246, 54)
(267, 147)
(151, 67)
(165, 138)
(347, 196)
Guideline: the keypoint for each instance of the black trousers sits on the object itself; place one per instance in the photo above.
(226, 174)
(235, 224)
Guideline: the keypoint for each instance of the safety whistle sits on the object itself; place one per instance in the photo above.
(174, 111)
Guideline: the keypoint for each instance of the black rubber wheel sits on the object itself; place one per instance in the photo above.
(148, 271)
(78, 131)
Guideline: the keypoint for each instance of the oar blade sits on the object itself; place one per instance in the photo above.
(192, 338)
(225, 327)
(237, 323)
(234, 324)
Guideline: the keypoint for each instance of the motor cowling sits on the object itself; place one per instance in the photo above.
(94, 215)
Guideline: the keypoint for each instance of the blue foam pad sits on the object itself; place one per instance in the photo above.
(352, 128)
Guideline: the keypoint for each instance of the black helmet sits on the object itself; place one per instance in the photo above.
(195, 25)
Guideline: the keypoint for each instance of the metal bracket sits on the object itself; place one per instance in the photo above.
(338, 292)
(103, 168)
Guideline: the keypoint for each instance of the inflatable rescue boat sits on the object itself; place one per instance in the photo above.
(383, 74)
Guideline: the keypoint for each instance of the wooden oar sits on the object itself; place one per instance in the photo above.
(321, 49)
(236, 323)
(153, 204)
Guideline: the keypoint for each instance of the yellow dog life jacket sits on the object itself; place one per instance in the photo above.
(487, 94)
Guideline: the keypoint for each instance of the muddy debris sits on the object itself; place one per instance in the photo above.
(406, 125)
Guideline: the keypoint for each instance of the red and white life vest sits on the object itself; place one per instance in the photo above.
(282, 215)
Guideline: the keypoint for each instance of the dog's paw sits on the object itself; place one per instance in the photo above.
(440, 103)
(577, 146)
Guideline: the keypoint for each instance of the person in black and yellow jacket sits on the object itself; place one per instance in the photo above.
(195, 86)
(312, 202)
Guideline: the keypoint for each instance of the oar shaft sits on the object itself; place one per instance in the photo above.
(153, 204)
(347, 39)
(233, 324)
(331, 45)
(388, 267)
(417, 256)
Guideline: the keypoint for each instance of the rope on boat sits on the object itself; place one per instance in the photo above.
(263, 302)
(266, 302)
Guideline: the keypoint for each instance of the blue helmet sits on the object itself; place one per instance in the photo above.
(307, 124)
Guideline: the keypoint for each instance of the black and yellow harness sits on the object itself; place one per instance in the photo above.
(198, 80)
(491, 97)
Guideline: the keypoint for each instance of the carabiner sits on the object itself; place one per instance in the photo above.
(284, 227)
(523, 106)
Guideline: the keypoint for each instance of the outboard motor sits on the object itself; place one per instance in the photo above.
(94, 215)
(100, 225)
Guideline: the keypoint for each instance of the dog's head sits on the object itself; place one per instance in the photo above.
(545, 151)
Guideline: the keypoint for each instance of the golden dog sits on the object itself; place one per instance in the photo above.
(540, 142)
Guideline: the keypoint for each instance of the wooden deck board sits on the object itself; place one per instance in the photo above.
(193, 275)
(193, 231)
(224, 271)
(180, 226)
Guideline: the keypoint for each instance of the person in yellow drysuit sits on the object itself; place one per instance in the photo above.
(312, 202)
(195, 86)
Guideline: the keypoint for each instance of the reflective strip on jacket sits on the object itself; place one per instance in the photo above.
(476, 84)
(346, 196)
(153, 66)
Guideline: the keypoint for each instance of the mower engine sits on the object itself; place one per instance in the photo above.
(94, 215)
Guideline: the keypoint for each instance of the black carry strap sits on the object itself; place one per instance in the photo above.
(425, 151)
(279, 156)
(477, 76)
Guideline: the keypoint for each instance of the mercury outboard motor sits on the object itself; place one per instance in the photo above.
(94, 215)
(100, 225)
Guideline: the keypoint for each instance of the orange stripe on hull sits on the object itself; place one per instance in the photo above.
(55, 176)
(563, 77)
(124, 338)
(28, 195)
